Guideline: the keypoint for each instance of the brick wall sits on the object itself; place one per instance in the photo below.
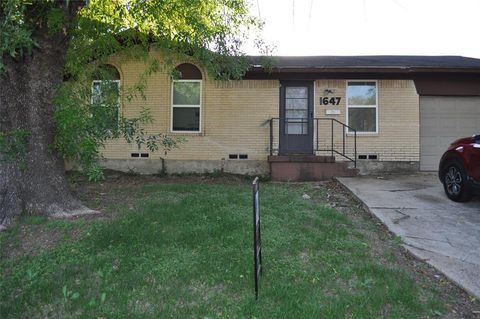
(235, 114)
(234, 117)
(398, 119)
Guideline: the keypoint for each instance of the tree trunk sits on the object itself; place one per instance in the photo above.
(34, 183)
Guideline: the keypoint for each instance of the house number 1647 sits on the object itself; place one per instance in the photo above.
(330, 100)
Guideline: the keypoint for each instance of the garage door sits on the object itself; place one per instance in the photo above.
(443, 120)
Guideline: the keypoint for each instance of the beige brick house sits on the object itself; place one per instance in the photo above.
(378, 113)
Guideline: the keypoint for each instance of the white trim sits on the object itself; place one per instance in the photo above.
(362, 106)
(181, 105)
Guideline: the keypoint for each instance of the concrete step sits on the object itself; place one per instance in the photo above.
(302, 158)
(296, 170)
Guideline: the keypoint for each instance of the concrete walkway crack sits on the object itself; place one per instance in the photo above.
(425, 238)
(427, 250)
(394, 208)
(398, 220)
(404, 216)
(449, 242)
(404, 190)
(464, 259)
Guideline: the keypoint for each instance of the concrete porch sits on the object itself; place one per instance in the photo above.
(300, 168)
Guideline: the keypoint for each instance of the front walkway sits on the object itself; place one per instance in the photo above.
(443, 233)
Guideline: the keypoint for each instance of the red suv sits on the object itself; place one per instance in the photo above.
(459, 169)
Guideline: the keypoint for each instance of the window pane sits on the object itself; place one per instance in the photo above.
(296, 104)
(106, 117)
(96, 92)
(296, 127)
(296, 110)
(186, 93)
(362, 93)
(105, 92)
(105, 99)
(186, 119)
(296, 114)
(362, 119)
(296, 92)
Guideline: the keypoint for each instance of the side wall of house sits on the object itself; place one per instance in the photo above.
(234, 120)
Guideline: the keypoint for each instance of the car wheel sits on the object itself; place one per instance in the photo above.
(455, 183)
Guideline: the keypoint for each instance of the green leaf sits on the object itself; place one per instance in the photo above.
(64, 291)
(92, 302)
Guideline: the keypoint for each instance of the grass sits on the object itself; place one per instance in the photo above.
(186, 251)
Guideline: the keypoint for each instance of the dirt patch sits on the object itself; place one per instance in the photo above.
(385, 248)
(118, 188)
(30, 240)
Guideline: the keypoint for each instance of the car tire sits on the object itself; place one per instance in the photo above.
(455, 182)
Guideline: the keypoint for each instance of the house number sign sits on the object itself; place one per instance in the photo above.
(325, 100)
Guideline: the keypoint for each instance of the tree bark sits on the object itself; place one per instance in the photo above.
(36, 182)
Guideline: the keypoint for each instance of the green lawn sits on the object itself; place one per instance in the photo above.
(185, 250)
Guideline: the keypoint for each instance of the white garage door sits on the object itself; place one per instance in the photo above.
(443, 120)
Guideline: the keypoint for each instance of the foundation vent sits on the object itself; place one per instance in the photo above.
(368, 156)
(237, 156)
(139, 155)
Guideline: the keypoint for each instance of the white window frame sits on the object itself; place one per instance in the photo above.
(362, 106)
(172, 106)
(119, 93)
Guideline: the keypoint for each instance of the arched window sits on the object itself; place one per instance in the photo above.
(106, 96)
(187, 99)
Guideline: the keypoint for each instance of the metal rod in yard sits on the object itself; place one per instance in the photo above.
(257, 237)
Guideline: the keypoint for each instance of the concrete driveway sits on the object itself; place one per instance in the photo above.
(443, 233)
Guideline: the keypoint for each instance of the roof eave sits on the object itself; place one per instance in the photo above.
(363, 69)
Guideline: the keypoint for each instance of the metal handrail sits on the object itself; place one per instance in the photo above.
(332, 149)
